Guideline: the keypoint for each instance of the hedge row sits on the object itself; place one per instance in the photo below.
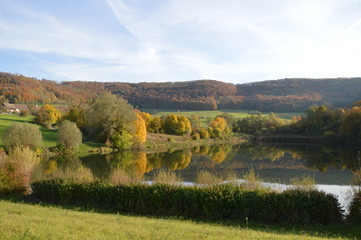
(226, 202)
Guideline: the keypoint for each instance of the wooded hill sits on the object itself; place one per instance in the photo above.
(284, 95)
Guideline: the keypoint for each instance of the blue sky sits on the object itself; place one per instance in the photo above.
(179, 40)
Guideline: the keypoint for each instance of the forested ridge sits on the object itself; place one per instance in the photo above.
(284, 95)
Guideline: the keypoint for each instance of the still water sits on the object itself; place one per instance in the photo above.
(330, 166)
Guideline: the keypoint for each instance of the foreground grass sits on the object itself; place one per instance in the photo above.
(23, 221)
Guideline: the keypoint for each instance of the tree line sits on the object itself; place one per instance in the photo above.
(287, 95)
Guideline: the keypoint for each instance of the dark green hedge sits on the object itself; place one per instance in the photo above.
(227, 202)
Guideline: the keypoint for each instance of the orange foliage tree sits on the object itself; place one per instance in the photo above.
(140, 135)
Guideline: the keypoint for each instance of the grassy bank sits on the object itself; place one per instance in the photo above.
(23, 221)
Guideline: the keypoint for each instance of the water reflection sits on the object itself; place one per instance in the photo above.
(278, 163)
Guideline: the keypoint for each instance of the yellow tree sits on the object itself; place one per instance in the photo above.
(47, 116)
(177, 125)
(140, 135)
(220, 123)
(146, 117)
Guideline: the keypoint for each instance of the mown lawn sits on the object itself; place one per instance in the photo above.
(207, 115)
(23, 221)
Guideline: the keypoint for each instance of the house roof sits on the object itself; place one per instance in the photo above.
(15, 106)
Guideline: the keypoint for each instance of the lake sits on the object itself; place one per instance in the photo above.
(330, 166)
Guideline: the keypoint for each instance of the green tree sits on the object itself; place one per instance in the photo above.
(121, 140)
(23, 135)
(108, 115)
(69, 135)
(47, 116)
(352, 123)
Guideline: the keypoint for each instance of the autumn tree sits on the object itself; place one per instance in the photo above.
(47, 116)
(146, 117)
(140, 135)
(177, 125)
(76, 114)
(69, 135)
(221, 123)
(204, 134)
(156, 125)
(23, 135)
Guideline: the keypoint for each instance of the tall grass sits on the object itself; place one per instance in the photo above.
(120, 176)
(305, 182)
(207, 178)
(167, 176)
(252, 180)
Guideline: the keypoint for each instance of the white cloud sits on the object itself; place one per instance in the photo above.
(235, 41)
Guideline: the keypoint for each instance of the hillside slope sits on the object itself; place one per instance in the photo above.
(278, 95)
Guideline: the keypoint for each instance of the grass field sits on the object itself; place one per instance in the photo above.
(207, 115)
(49, 135)
(23, 221)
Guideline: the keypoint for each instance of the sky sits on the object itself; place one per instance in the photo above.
(235, 41)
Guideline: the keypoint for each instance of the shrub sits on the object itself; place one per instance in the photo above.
(355, 208)
(69, 135)
(22, 135)
(25, 158)
(204, 134)
(15, 170)
(24, 112)
(228, 202)
(121, 140)
(196, 136)
(12, 179)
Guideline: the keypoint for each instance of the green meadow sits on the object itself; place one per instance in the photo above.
(49, 135)
(205, 116)
(24, 221)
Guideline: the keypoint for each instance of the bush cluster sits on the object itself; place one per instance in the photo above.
(220, 202)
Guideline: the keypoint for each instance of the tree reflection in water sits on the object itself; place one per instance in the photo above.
(222, 160)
